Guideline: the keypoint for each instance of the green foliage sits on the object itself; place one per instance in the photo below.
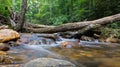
(114, 25)
(107, 32)
(5, 7)
(16, 5)
(63, 11)
(59, 20)
(102, 8)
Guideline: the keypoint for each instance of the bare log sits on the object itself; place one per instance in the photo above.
(36, 25)
(74, 26)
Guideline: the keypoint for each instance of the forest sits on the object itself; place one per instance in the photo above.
(59, 33)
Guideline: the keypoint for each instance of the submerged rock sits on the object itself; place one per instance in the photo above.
(49, 62)
(8, 34)
(13, 43)
(35, 39)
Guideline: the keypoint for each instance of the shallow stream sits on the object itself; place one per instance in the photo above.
(93, 54)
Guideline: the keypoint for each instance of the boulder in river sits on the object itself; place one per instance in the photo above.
(49, 62)
(8, 34)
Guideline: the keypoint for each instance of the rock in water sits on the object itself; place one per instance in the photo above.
(49, 62)
(8, 34)
(70, 44)
(112, 40)
(4, 47)
(3, 53)
(5, 59)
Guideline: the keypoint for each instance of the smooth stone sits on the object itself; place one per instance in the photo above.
(49, 62)
(8, 34)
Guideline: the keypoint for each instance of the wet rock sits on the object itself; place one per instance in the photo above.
(34, 42)
(22, 41)
(4, 58)
(4, 47)
(18, 42)
(8, 34)
(109, 40)
(12, 43)
(54, 36)
(102, 40)
(112, 40)
(49, 62)
(3, 53)
(86, 38)
(35, 39)
(70, 44)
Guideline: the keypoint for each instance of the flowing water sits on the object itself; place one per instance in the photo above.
(93, 54)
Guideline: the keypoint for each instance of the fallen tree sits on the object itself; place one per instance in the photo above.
(70, 26)
(37, 26)
(20, 24)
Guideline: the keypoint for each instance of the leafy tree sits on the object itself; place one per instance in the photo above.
(5, 7)
(63, 11)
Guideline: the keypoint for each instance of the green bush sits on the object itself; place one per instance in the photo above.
(58, 20)
(115, 25)
(5, 7)
(64, 11)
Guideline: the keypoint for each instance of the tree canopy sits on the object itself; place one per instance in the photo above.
(57, 12)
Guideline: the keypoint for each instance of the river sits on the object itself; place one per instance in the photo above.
(93, 54)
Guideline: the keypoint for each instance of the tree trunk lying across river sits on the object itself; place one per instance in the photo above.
(70, 26)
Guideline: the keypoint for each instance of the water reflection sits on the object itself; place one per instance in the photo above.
(92, 57)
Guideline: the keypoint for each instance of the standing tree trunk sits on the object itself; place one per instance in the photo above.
(22, 16)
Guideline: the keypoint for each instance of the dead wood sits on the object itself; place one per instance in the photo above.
(73, 26)
(37, 25)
